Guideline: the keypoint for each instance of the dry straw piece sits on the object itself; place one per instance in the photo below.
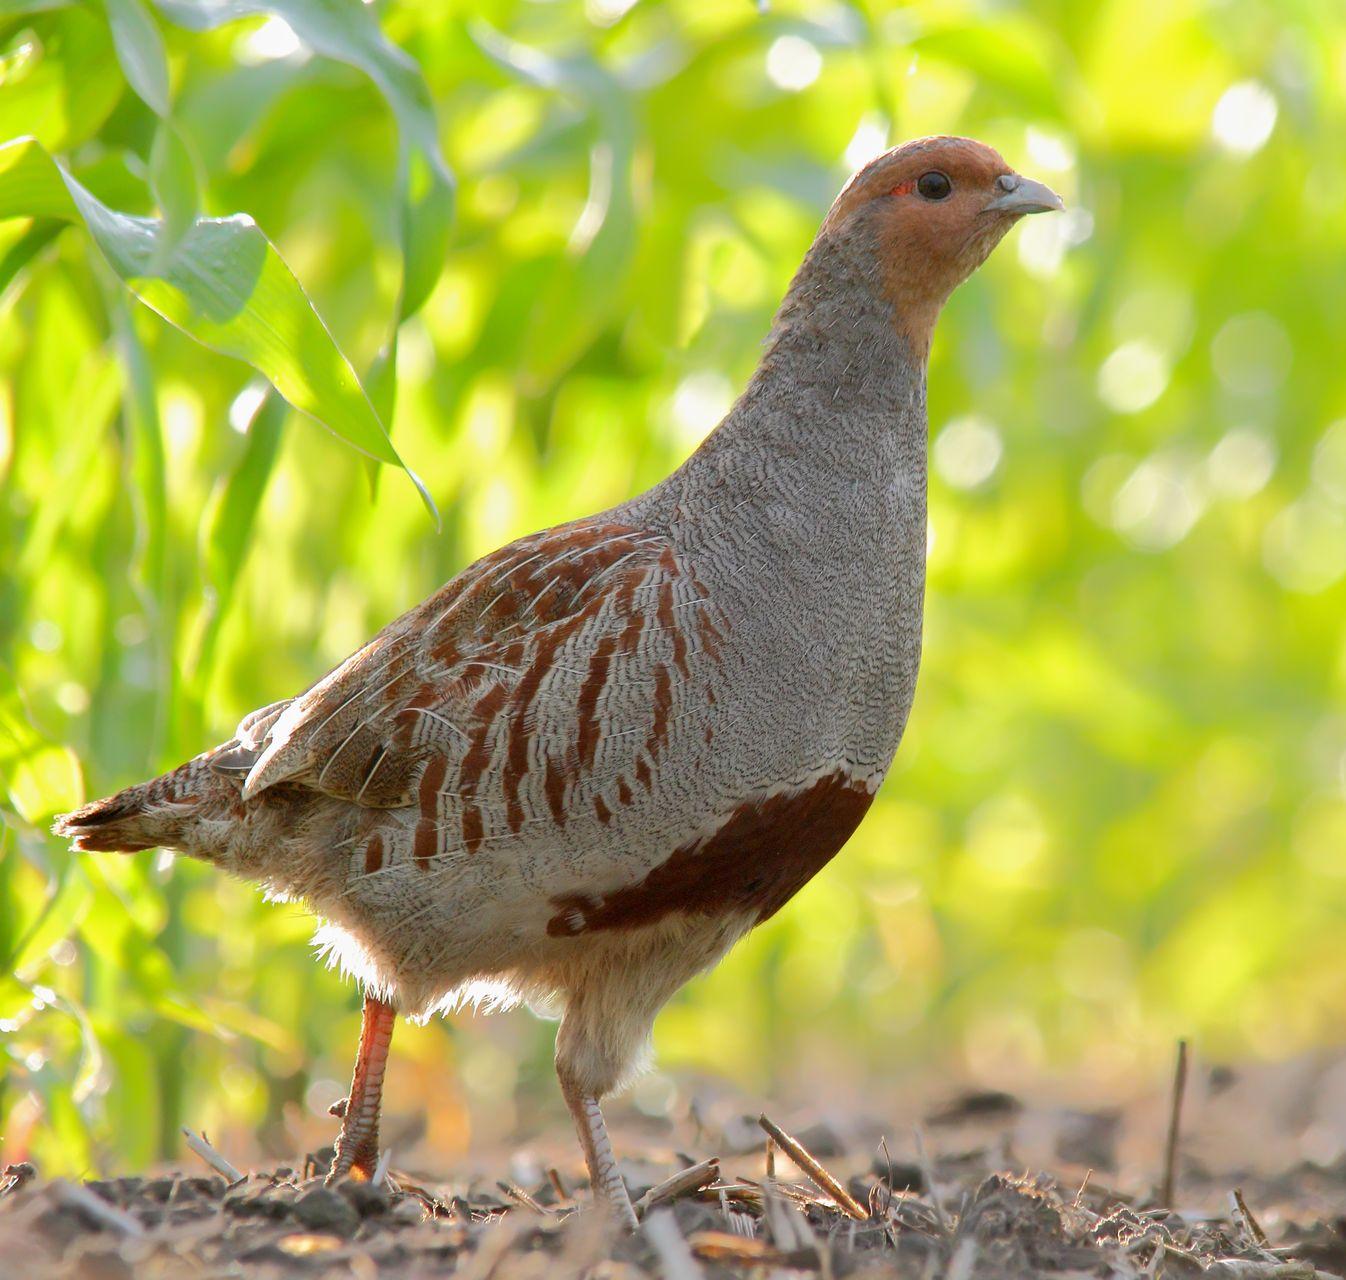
(1169, 1185)
(826, 1182)
(198, 1144)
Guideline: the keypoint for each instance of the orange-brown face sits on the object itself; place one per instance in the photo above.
(933, 209)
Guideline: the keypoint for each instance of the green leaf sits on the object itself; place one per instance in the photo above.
(140, 50)
(68, 1125)
(148, 483)
(233, 515)
(30, 183)
(111, 928)
(234, 1020)
(26, 248)
(58, 79)
(60, 917)
(80, 425)
(147, 457)
(350, 33)
(173, 181)
(584, 290)
(135, 1098)
(427, 219)
(14, 8)
(40, 777)
(223, 284)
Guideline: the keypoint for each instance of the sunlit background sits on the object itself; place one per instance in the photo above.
(1119, 815)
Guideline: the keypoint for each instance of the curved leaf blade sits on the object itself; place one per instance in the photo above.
(581, 297)
(232, 517)
(140, 50)
(351, 34)
(224, 284)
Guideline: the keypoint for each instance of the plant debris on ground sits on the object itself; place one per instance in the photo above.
(774, 1206)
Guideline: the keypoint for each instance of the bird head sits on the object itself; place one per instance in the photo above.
(927, 214)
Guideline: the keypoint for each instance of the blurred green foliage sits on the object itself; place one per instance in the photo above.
(1119, 813)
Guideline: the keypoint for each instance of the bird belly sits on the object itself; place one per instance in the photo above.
(520, 920)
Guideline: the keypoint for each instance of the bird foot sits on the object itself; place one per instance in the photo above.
(622, 1212)
(357, 1146)
(605, 1180)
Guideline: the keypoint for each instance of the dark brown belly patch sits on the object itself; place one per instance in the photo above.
(763, 854)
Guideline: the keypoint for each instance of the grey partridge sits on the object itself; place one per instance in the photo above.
(583, 769)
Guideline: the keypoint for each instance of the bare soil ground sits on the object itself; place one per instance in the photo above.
(957, 1198)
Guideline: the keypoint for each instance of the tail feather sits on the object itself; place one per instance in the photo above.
(114, 825)
(147, 816)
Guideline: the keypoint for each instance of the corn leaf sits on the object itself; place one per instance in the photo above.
(585, 289)
(349, 33)
(60, 916)
(223, 284)
(39, 777)
(140, 50)
(232, 516)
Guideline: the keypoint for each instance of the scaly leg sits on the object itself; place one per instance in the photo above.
(357, 1146)
(608, 1187)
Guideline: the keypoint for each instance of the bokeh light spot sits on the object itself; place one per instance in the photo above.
(1044, 241)
(968, 451)
(45, 635)
(1329, 462)
(1158, 504)
(1053, 152)
(793, 63)
(243, 407)
(1304, 547)
(1244, 117)
(1133, 377)
(1241, 463)
(273, 39)
(698, 404)
(1251, 354)
(870, 139)
(604, 13)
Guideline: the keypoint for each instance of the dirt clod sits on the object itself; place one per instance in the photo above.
(323, 1209)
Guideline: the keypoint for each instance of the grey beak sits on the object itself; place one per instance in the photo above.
(1020, 195)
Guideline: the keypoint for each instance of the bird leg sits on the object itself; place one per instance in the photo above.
(357, 1145)
(608, 1188)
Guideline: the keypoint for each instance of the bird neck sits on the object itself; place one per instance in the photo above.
(843, 302)
(840, 388)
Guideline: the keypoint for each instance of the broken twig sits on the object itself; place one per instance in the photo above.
(198, 1144)
(1250, 1224)
(846, 1202)
(680, 1184)
(1168, 1187)
(519, 1196)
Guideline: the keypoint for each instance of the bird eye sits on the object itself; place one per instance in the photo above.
(934, 185)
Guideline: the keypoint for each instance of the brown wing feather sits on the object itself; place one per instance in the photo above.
(425, 686)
